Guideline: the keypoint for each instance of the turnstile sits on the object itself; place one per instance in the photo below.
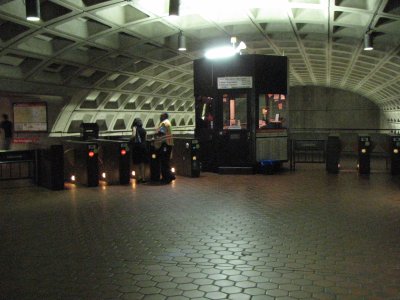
(50, 167)
(185, 157)
(364, 151)
(81, 162)
(114, 161)
(333, 149)
(395, 155)
(155, 171)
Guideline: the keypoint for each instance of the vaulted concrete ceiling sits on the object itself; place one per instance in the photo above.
(122, 55)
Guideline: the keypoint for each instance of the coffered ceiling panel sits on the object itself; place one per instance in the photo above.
(126, 51)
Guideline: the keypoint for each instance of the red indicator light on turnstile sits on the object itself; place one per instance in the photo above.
(123, 152)
(91, 153)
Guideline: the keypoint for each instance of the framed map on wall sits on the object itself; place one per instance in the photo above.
(30, 116)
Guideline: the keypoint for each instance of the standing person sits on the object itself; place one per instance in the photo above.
(139, 150)
(7, 127)
(164, 135)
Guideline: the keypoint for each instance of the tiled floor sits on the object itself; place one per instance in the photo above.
(300, 235)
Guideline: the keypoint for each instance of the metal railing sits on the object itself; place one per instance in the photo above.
(17, 164)
(307, 151)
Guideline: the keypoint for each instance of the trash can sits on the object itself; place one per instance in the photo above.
(89, 131)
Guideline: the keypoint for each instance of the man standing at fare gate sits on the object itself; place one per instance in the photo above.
(7, 127)
(165, 139)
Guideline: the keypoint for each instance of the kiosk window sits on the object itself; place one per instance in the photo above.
(235, 111)
(271, 110)
(205, 112)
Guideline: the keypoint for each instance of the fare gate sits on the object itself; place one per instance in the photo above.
(81, 162)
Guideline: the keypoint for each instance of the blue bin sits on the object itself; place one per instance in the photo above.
(269, 166)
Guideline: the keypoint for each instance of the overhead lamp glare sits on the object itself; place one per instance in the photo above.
(32, 10)
(221, 52)
(226, 51)
(241, 46)
(181, 42)
(368, 42)
(174, 8)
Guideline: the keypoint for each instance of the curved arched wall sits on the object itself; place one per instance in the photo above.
(315, 107)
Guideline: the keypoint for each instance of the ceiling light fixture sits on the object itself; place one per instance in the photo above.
(368, 42)
(32, 10)
(226, 51)
(220, 52)
(241, 46)
(174, 8)
(181, 42)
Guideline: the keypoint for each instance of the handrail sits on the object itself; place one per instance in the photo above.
(342, 129)
(307, 151)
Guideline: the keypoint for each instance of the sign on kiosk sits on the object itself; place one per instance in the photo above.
(239, 82)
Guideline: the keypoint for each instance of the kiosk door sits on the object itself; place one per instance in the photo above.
(234, 138)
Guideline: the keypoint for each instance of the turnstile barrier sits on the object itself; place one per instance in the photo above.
(364, 151)
(186, 157)
(114, 161)
(333, 149)
(395, 155)
(81, 163)
(50, 167)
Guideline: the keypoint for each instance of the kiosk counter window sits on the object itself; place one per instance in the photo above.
(271, 111)
(234, 111)
(205, 112)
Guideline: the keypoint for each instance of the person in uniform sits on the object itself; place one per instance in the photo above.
(165, 141)
(139, 150)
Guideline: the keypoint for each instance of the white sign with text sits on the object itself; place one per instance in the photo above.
(240, 82)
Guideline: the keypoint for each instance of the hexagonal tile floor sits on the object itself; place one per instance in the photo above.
(299, 235)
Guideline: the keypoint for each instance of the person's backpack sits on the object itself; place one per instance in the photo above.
(135, 139)
(138, 139)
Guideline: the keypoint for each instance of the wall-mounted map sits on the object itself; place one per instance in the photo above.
(30, 116)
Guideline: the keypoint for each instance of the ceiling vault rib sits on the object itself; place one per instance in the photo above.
(276, 49)
(125, 49)
(301, 47)
(383, 86)
(330, 15)
(376, 67)
(359, 49)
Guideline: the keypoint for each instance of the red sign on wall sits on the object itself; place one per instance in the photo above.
(25, 140)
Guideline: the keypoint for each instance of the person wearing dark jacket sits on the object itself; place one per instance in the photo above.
(7, 127)
(139, 150)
